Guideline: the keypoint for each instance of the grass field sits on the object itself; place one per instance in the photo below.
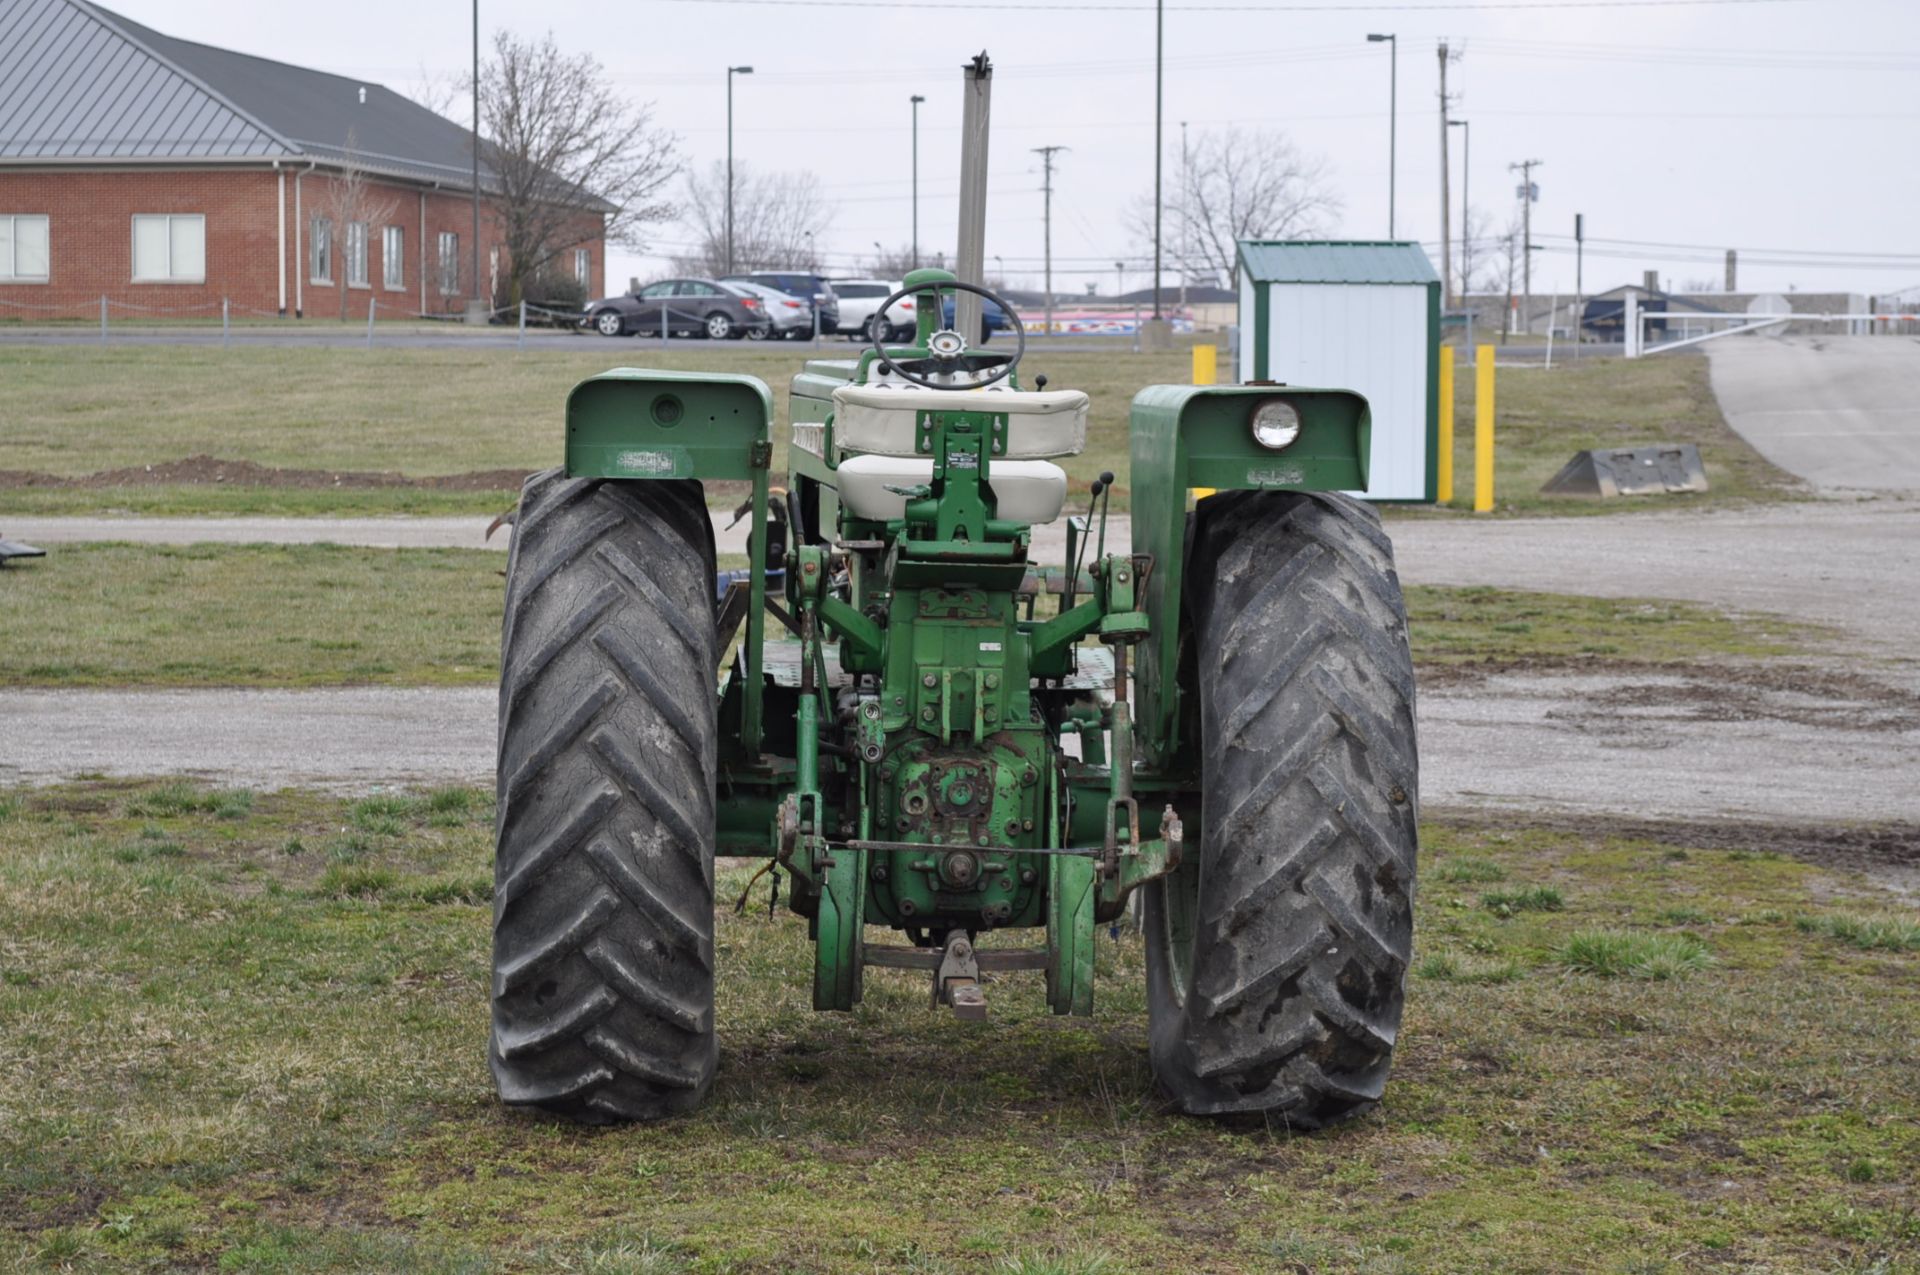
(1543, 417)
(75, 411)
(325, 615)
(246, 1032)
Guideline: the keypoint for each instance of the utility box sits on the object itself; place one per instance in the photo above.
(1353, 315)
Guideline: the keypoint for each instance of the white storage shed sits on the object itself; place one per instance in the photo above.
(1361, 316)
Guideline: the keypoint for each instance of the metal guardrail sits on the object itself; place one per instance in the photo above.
(1634, 320)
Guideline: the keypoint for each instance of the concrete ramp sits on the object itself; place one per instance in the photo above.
(1839, 411)
(1604, 472)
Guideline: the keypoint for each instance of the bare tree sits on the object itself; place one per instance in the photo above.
(443, 93)
(1481, 268)
(1238, 184)
(895, 263)
(352, 206)
(776, 218)
(570, 161)
(1505, 261)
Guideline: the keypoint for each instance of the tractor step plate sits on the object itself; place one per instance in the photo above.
(1094, 671)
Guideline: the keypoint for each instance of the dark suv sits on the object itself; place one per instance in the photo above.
(799, 283)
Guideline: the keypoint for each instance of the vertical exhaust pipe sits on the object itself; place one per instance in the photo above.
(971, 260)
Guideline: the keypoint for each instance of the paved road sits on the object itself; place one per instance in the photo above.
(355, 739)
(1839, 411)
(1650, 746)
(377, 533)
(1828, 562)
(455, 336)
(1845, 564)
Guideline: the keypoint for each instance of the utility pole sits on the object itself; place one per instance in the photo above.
(1446, 229)
(1733, 270)
(474, 290)
(1527, 197)
(1046, 154)
(914, 255)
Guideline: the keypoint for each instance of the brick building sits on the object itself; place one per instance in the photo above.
(168, 176)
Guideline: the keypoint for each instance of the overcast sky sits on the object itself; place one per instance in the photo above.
(1785, 128)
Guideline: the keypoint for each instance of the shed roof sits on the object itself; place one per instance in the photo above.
(1360, 261)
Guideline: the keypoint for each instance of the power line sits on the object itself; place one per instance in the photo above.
(1852, 255)
(1436, 6)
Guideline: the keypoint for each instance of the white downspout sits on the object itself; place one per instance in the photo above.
(280, 235)
(420, 256)
(300, 245)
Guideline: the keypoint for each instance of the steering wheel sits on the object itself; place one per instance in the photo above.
(946, 347)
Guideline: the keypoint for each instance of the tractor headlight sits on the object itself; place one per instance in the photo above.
(1276, 424)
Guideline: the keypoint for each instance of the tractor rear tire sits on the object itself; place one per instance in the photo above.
(603, 870)
(1276, 957)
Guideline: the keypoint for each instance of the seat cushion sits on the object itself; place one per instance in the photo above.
(885, 419)
(1029, 491)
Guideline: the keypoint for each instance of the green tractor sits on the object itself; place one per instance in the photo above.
(943, 737)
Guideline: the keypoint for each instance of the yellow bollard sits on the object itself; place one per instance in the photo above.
(1206, 365)
(1483, 430)
(1445, 471)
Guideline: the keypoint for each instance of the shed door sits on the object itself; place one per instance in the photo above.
(1372, 339)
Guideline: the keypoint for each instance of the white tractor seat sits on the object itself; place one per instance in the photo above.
(884, 420)
(1029, 491)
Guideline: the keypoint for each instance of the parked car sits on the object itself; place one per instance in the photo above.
(992, 318)
(860, 298)
(798, 283)
(788, 318)
(695, 307)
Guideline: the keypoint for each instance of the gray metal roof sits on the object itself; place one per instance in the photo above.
(1340, 261)
(318, 113)
(80, 82)
(72, 86)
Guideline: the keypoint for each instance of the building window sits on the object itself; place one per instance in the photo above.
(169, 248)
(449, 263)
(23, 248)
(322, 240)
(356, 254)
(582, 266)
(393, 261)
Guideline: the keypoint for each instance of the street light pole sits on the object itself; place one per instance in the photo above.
(1159, 62)
(1393, 118)
(914, 255)
(1466, 205)
(1186, 214)
(731, 72)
